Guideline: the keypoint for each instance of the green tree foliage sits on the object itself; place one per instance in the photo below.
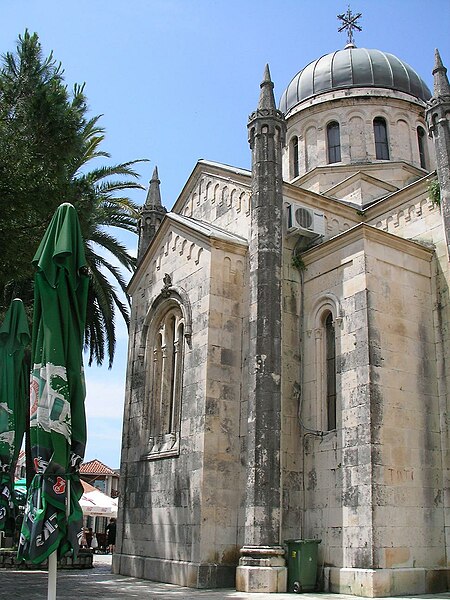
(434, 192)
(39, 137)
(47, 143)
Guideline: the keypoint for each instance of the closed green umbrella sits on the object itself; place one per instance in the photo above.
(53, 518)
(14, 337)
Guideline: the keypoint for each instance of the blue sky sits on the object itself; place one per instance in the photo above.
(175, 81)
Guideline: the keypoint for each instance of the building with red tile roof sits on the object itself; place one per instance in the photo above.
(101, 476)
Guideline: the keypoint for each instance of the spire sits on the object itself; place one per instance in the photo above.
(441, 85)
(153, 199)
(152, 214)
(266, 112)
(266, 98)
(439, 128)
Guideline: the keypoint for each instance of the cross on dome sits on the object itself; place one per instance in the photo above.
(349, 21)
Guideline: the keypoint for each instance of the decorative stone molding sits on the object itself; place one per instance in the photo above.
(172, 293)
(214, 189)
(165, 290)
(327, 301)
(393, 220)
(163, 446)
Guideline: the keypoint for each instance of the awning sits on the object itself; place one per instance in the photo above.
(95, 503)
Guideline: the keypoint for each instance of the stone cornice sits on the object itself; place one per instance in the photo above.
(369, 233)
(264, 113)
(352, 96)
(380, 207)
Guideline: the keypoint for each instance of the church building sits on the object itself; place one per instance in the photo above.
(289, 353)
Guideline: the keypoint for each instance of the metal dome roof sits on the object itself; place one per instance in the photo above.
(352, 68)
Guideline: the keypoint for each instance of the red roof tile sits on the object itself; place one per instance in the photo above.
(96, 467)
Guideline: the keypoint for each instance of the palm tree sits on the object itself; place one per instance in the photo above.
(97, 194)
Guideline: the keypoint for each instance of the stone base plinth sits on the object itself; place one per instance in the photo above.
(9, 560)
(261, 569)
(178, 572)
(377, 583)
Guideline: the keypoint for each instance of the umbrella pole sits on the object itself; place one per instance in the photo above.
(52, 559)
(52, 565)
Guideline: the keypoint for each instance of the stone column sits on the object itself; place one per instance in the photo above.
(262, 566)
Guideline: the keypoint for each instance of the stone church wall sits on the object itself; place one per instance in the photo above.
(223, 486)
(408, 497)
(161, 496)
(181, 512)
(335, 500)
(386, 450)
(421, 220)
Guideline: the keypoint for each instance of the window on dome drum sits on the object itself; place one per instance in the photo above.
(330, 360)
(334, 142)
(294, 155)
(165, 365)
(421, 143)
(381, 139)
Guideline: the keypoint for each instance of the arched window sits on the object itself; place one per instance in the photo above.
(422, 148)
(294, 156)
(381, 139)
(325, 320)
(330, 371)
(334, 142)
(164, 351)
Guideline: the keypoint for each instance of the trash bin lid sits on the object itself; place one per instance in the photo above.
(302, 541)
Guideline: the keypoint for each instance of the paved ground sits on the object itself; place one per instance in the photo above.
(100, 584)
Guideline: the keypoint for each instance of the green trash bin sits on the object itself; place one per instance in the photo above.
(302, 565)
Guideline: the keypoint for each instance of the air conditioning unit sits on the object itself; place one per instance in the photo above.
(302, 220)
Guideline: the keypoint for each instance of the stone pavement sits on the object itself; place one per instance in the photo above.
(100, 584)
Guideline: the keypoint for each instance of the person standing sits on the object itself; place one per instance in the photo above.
(89, 535)
(111, 535)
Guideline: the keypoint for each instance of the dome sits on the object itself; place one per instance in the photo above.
(351, 68)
